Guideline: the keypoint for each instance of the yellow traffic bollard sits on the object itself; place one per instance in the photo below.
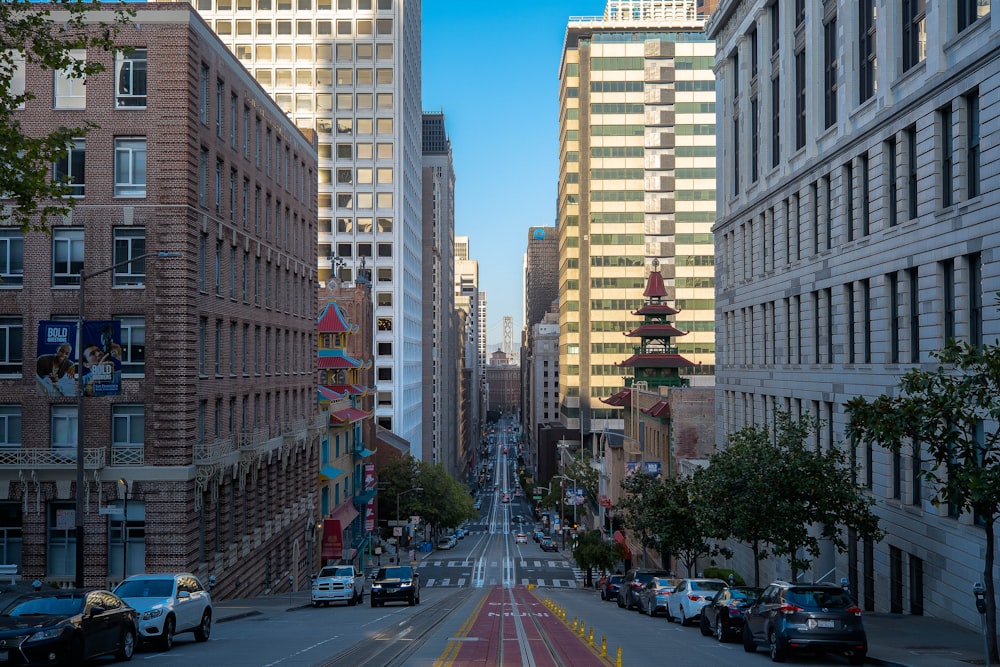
(604, 646)
(582, 630)
(618, 663)
(591, 635)
(574, 624)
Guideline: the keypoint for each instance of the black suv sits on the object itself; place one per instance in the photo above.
(396, 583)
(635, 579)
(809, 618)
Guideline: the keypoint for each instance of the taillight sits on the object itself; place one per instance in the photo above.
(856, 610)
(734, 611)
(788, 609)
(693, 597)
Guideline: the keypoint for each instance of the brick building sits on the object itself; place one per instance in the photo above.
(214, 433)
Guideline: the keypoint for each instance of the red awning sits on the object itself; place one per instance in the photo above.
(619, 538)
(347, 416)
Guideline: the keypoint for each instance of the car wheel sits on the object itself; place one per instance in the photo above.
(204, 629)
(418, 597)
(374, 604)
(684, 619)
(670, 615)
(413, 600)
(127, 646)
(75, 652)
(856, 657)
(778, 652)
(167, 638)
(603, 596)
(361, 597)
(621, 603)
(316, 603)
(720, 630)
(353, 601)
(706, 631)
(749, 645)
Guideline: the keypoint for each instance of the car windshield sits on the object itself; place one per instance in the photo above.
(707, 585)
(394, 573)
(665, 583)
(337, 572)
(62, 605)
(145, 588)
(830, 598)
(617, 578)
(737, 594)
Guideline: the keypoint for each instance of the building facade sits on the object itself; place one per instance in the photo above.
(350, 70)
(205, 458)
(467, 301)
(440, 366)
(636, 184)
(857, 233)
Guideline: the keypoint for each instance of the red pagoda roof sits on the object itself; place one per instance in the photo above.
(331, 320)
(654, 285)
(347, 389)
(656, 330)
(330, 394)
(661, 409)
(656, 309)
(651, 360)
(623, 397)
(347, 416)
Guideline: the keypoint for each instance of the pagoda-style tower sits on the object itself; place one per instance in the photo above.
(656, 361)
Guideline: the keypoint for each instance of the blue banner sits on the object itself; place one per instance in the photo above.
(101, 343)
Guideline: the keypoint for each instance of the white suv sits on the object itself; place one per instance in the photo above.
(168, 604)
(338, 583)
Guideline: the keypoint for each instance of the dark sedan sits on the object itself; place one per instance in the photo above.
(609, 588)
(398, 583)
(66, 627)
(547, 544)
(723, 616)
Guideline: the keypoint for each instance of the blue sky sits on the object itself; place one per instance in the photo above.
(492, 67)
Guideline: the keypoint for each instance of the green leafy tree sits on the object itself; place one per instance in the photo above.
(810, 494)
(441, 501)
(28, 32)
(950, 412)
(661, 510)
(592, 551)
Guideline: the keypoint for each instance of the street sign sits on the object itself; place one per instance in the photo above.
(397, 531)
(397, 523)
(110, 510)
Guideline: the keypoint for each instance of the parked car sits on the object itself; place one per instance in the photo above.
(66, 626)
(813, 618)
(460, 533)
(521, 538)
(653, 596)
(537, 535)
(689, 596)
(338, 583)
(635, 579)
(609, 588)
(447, 542)
(548, 544)
(723, 616)
(168, 604)
(396, 583)
(505, 498)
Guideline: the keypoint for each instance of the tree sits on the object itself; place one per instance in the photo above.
(662, 512)
(592, 551)
(952, 413)
(28, 32)
(442, 501)
(810, 494)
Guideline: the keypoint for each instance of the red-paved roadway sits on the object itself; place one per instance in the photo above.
(513, 628)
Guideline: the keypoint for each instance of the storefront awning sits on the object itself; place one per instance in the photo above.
(329, 472)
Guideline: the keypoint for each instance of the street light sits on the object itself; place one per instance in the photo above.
(84, 277)
(398, 496)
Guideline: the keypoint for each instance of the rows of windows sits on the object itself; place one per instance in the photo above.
(836, 325)
(243, 348)
(290, 5)
(242, 275)
(12, 353)
(807, 222)
(129, 168)
(912, 29)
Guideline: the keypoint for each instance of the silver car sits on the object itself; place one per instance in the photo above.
(168, 604)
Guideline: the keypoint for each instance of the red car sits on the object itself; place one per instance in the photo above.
(609, 586)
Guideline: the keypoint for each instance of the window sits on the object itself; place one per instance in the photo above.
(865, 199)
(970, 11)
(203, 95)
(71, 168)
(129, 243)
(130, 73)
(972, 153)
(71, 91)
(974, 263)
(11, 336)
(130, 167)
(202, 344)
(63, 433)
(800, 99)
(910, 135)
(16, 86)
(948, 298)
(67, 256)
(830, 66)
(912, 278)
(892, 281)
(133, 344)
(775, 118)
(128, 425)
(11, 257)
(947, 163)
(10, 425)
(889, 160)
(866, 50)
(914, 32)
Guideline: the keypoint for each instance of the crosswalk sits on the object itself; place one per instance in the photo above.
(578, 576)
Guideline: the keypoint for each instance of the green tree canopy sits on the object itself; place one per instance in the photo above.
(950, 412)
(30, 36)
(810, 494)
(441, 500)
(592, 551)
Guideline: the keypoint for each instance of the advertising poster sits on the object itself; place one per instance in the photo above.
(333, 539)
(102, 358)
(55, 359)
